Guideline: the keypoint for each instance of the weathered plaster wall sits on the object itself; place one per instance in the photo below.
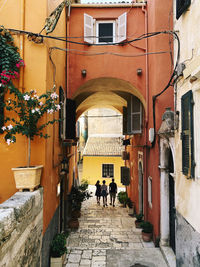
(187, 190)
(21, 223)
(187, 243)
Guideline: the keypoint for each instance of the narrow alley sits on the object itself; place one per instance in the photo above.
(107, 237)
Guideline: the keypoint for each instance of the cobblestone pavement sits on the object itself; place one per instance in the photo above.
(107, 237)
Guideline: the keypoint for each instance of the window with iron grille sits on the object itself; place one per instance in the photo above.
(187, 135)
(108, 170)
(181, 6)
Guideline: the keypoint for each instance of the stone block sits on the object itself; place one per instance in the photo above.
(7, 223)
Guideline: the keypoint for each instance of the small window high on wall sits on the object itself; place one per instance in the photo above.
(105, 31)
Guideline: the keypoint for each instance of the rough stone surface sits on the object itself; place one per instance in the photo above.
(187, 243)
(21, 223)
(107, 237)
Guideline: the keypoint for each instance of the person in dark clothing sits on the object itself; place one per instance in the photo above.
(113, 192)
(98, 191)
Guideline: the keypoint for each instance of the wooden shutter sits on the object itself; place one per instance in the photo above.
(61, 113)
(136, 115)
(122, 27)
(70, 119)
(88, 29)
(124, 120)
(129, 116)
(181, 6)
(125, 175)
(187, 134)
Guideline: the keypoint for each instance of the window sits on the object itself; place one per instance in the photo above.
(187, 136)
(107, 170)
(125, 175)
(181, 6)
(150, 191)
(132, 116)
(105, 31)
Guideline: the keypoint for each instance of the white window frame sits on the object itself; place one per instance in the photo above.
(150, 191)
(97, 30)
(91, 28)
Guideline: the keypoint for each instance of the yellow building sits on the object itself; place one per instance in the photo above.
(102, 159)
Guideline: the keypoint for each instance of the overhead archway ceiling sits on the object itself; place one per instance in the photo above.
(105, 92)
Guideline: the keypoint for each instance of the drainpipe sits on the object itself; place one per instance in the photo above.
(21, 42)
(68, 54)
(147, 107)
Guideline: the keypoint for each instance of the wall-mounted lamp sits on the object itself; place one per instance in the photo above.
(139, 72)
(84, 72)
(64, 166)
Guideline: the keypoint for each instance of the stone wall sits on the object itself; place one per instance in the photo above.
(21, 223)
(187, 244)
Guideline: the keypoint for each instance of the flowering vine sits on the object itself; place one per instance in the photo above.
(10, 60)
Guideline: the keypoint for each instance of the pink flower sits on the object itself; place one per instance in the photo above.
(3, 128)
(18, 65)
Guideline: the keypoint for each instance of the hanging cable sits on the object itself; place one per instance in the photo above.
(166, 87)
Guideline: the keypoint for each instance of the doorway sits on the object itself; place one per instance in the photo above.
(140, 174)
(172, 210)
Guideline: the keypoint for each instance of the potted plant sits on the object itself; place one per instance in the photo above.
(147, 230)
(122, 197)
(58, 250)
(139, 220)
(76, 197)
(130, 205)
(26, 110)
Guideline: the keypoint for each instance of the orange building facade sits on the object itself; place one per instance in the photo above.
(124, 73)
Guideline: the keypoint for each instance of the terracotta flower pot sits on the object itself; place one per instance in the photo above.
(146, 237)
(27, 177)
(137, 224)
(73, 223)
(76, 214)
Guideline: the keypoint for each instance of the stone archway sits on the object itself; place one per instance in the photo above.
(167, 178)
(105, 92)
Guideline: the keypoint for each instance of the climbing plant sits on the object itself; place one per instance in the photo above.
(10, 62)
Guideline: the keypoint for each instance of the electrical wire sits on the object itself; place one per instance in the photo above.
(89, 53)
(143, 36)
(167, 86)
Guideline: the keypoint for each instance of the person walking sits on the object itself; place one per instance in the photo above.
(113, 192)
(98, 191)
(104, 193)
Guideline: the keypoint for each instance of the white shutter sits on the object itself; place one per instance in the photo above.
(88, 29)
(122, 27)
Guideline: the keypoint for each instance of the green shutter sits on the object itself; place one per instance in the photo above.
(187, 134)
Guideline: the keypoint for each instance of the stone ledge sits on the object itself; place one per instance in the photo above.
(21, 223)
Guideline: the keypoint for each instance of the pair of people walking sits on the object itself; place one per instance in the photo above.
(102, 190)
